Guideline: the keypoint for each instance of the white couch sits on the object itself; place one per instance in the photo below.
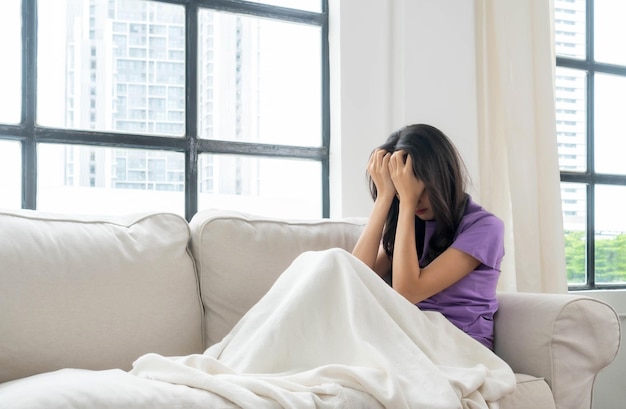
(96, 293)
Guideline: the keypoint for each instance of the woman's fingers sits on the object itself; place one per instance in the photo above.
(379, 161)
(408, 162)
(397, 161)
(378, 168)
(407, 185)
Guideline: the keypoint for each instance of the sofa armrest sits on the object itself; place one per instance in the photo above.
(564, 338)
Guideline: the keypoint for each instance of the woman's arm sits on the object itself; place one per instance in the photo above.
(417, 284)
(368, 248)
(409, 279)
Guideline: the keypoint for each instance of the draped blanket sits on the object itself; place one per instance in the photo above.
(329, 324)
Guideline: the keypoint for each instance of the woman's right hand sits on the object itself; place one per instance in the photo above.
(368, 247)
(378, 169)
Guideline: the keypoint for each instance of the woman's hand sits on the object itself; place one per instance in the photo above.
(378, 169)
(406, 184)
(368, 247)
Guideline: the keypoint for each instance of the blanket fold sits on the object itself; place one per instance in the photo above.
(328, 323)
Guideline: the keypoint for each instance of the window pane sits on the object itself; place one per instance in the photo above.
(610, 235)
(308, 5)
(262, 186)
(86, 179)
(574, 204)
(260, 80)
(610, 128)
(569, 28)
(571, 119)
(609, 31)
(112, 65)
(10, 175)
(11, 67)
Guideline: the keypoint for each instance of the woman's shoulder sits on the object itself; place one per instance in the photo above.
(476, 215)
(481, 235)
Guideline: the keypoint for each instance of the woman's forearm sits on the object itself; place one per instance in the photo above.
(406, 269)
(366, 248)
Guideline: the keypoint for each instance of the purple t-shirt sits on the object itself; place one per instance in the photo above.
(471, 302)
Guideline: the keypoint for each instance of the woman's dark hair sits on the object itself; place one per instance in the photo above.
(437, 163)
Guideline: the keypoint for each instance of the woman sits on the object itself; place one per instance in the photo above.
(444, 250)
(330, 333)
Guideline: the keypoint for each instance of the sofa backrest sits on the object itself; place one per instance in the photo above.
(239, 256)
(94, 293)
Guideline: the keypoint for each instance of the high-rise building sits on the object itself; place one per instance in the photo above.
(125, 72)
(569, 25)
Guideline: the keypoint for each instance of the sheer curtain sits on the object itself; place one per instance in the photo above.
(519, 172)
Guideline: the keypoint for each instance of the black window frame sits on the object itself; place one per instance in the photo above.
(29, 133)
(590, 178)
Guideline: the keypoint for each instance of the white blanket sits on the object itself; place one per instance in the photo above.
(329, 323)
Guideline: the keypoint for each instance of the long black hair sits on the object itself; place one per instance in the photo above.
(437, 163)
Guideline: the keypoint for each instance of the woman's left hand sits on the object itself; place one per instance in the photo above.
(408, 187)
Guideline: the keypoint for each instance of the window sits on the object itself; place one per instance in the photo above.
(115, 106)
(591, 136)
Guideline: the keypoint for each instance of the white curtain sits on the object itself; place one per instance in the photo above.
(519, 172)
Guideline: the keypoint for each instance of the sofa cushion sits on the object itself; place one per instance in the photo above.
(239, 256)
(94, 293)
(530, 393)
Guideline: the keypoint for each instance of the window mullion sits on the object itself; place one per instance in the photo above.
(191, 109)
(325, 113)
(29, 103)
(591, 247)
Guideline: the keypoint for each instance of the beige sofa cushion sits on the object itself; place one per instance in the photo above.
(530, 393)
(93, 293)
(239, 257)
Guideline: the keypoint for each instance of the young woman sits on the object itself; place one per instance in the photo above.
(443, 249)
(330, 333)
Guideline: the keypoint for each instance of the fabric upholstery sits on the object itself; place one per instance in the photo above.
(566, 339)
(530, 393)
(98, 292)
(94, 293)
(240, 256)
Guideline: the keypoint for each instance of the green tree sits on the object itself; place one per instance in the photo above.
(610, 258)
(575, 257)
(610, 263)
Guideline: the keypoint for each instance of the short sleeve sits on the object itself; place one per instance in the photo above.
(482, 236)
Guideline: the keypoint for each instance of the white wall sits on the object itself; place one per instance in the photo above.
(407, 61)
(394, 63)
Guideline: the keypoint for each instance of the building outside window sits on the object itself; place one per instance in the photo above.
(136, 105)
(591, 134)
